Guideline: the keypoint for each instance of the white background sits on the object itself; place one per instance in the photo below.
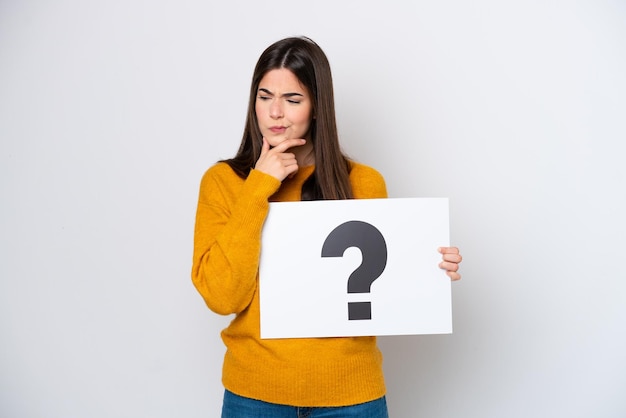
(111, 111)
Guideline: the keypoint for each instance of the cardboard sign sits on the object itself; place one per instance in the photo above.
(355, 268)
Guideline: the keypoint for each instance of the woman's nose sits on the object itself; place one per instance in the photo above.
(276, 110)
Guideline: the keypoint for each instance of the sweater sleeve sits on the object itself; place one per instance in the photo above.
(227, 237)
(367, 183)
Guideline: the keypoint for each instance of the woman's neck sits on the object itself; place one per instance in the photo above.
(305, 154)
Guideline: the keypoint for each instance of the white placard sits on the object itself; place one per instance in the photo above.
(305, 293)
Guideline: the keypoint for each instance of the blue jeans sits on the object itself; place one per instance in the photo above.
(236, 406)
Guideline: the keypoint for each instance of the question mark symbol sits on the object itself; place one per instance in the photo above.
(374, 253)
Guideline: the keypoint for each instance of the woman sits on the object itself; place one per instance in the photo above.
(289, 151)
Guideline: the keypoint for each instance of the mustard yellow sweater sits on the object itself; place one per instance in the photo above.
(227, 243)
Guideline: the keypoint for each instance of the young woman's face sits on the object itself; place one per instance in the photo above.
(283, 107)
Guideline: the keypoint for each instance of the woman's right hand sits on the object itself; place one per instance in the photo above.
(276, 161)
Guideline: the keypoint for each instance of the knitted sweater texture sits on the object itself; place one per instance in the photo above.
(227, 243)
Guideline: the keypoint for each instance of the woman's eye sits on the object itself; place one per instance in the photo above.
(264, 98)
(294, 101)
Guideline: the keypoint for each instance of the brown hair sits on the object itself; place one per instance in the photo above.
(306, 60)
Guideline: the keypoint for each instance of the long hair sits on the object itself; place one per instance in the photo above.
(306, 60)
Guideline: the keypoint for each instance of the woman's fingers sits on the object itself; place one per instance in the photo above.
(451, 259)
(288, 143)
(276, 161)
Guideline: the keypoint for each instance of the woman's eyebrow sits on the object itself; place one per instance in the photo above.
(266, 91)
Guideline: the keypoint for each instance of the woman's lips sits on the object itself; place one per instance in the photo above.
(278, 129)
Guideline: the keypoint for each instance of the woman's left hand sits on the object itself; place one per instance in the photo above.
(451, 259)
